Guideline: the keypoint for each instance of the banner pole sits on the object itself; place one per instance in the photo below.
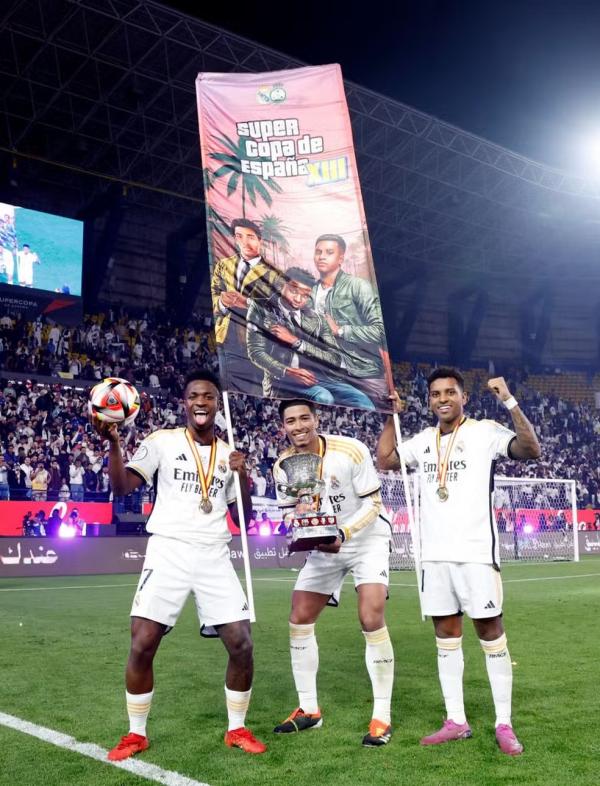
(415, 529)
(241, 516)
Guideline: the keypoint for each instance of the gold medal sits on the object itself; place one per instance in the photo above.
(206, 505)
(442, 489)
(205, 479)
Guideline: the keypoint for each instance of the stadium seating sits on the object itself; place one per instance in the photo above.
(49, 421)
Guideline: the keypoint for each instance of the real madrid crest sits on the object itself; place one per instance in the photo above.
(222, 467)
(334, 483)
(271, 94)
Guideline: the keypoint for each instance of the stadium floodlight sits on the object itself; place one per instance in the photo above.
(594, 152)
(589, 154)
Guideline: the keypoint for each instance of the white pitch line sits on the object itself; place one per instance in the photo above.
(144, 769)
(552, 578)
(285, 580)
(67, 587)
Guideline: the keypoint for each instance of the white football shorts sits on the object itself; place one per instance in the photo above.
(174, 568)
(369, 563)
(448, 588)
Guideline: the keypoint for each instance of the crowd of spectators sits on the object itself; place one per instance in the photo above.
(148, 350)
(48, 449)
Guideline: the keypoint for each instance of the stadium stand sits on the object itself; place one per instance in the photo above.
(44, 425)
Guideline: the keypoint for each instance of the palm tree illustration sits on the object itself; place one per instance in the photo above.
(219, 225)
(231, 167)
(274, 232)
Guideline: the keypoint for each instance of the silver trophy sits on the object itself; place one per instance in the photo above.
(308, 530)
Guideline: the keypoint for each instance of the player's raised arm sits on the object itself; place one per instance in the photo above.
(526, 444)
(387, 453)
(122, 480)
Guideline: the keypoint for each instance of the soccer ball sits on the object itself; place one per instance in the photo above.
(114, 400)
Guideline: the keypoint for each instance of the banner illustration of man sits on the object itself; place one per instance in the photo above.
(236, 281)
(351, 306)
(296, 348)
(280, 171)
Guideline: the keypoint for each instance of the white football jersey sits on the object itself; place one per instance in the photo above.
(25, 262)
(351, 490)
(165, 459)
(463, 528)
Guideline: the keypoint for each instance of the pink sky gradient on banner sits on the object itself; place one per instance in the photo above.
(309, 211)
(277, 149)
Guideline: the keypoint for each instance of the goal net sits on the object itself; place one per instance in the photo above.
(534, 515)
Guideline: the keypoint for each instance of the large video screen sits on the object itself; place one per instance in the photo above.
(40, 250)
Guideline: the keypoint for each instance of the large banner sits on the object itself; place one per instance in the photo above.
(81, 556)
(295, 300)
(13, 515)
(34, 303)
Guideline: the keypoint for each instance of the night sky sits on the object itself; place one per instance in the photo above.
(521, 73)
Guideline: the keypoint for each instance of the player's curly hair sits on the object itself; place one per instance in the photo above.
(295, 402)
(202, 375)
(446, 372)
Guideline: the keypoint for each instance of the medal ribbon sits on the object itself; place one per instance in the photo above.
(443, 465)
(321, 454)
(205, 479)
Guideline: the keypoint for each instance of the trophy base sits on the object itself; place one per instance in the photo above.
(308, 532)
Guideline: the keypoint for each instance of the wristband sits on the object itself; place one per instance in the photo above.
(511, 403)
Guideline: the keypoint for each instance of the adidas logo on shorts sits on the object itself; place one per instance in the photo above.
(384, 574)
(182, 457)
(245, 607)
(489, 605)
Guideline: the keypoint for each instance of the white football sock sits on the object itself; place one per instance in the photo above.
(499, 669)
(379, 656)
(305, 664)
(138, 709)
(451, 665)
(237, 706)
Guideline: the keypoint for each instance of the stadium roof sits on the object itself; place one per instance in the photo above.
(105, 88)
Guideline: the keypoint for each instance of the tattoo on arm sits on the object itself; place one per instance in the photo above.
(526, 445)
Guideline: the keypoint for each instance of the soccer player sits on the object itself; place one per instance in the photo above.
(188, 552)
(8, 249)
(459, 538)
(353, 312)
(361, 548)
(26, 259)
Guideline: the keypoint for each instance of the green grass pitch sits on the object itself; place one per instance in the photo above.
(62, 656)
